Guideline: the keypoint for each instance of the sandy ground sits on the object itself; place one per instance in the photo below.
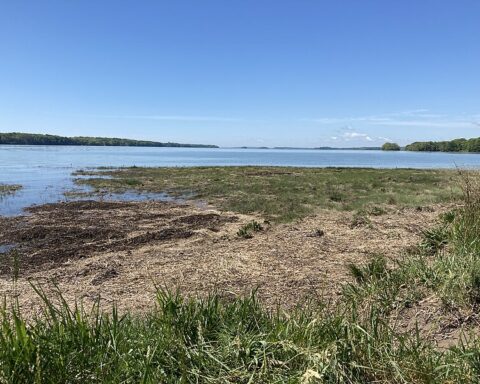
(118, 252)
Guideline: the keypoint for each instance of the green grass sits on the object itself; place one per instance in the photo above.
(6, 189)
(212, 341)
(284, 194)
(249, 229)
(445, 265)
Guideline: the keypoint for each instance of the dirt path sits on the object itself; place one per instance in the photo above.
(119, 251)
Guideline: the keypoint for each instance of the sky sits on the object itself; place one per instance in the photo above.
(302, 73)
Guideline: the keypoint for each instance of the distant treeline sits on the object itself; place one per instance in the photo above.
(38, 139)
(457, 145)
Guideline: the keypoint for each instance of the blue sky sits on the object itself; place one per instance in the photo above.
(264, 72)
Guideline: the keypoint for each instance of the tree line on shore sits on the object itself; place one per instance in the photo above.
(457, 145)
(16, 138)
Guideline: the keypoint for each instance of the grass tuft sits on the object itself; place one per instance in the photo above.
(434, 239)
(360, 219)
(7, 189)
(247, 230)
(375, 269)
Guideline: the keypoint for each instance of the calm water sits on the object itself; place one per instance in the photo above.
(45, 171)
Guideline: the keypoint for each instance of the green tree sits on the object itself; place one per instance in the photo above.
(390, 147)
(457, 145)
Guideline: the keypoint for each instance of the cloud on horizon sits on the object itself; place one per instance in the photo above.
(411, 118)
(349, 135)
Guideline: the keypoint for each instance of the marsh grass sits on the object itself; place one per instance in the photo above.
(446, 264)
(6, 189)
(284, 194)
(212, 341)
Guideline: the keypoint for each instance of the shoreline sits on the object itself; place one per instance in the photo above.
(241, 148)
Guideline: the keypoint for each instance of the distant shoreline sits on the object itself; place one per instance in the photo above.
(313, 148)
(17, 138)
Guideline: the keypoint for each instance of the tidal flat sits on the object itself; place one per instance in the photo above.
(283, 194)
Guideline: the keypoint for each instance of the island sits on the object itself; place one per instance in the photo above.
(17, 138)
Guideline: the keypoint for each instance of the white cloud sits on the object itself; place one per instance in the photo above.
(349, 135)
(410, 118)
(356, 135)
